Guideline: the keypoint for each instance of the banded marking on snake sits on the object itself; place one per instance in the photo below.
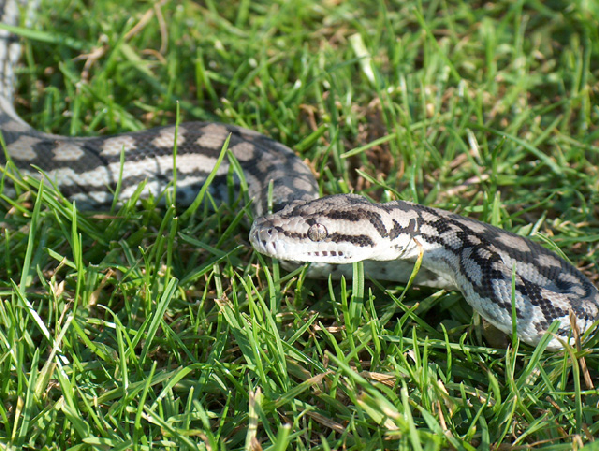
(458, 253)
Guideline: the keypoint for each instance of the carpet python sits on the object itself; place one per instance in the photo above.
(459, 253)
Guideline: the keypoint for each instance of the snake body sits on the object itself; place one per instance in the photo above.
(481, 261)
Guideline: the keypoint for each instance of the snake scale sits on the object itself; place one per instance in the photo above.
(459, 253)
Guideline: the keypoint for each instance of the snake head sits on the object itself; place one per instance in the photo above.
(335, 229)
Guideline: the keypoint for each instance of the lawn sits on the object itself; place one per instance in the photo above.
(146, 326)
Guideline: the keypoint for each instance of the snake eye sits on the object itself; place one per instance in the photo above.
(317, 232)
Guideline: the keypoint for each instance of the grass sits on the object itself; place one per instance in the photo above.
(137, 328)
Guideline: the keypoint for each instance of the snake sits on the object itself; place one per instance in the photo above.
(502, 275)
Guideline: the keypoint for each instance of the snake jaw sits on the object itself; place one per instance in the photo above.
(270, 239)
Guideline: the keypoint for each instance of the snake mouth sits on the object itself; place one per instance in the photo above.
(272, 241)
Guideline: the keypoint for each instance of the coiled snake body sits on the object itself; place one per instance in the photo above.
(478, 259)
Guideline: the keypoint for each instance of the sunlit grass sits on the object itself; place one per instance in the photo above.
(146, 327)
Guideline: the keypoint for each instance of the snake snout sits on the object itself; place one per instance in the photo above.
(264, 237)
